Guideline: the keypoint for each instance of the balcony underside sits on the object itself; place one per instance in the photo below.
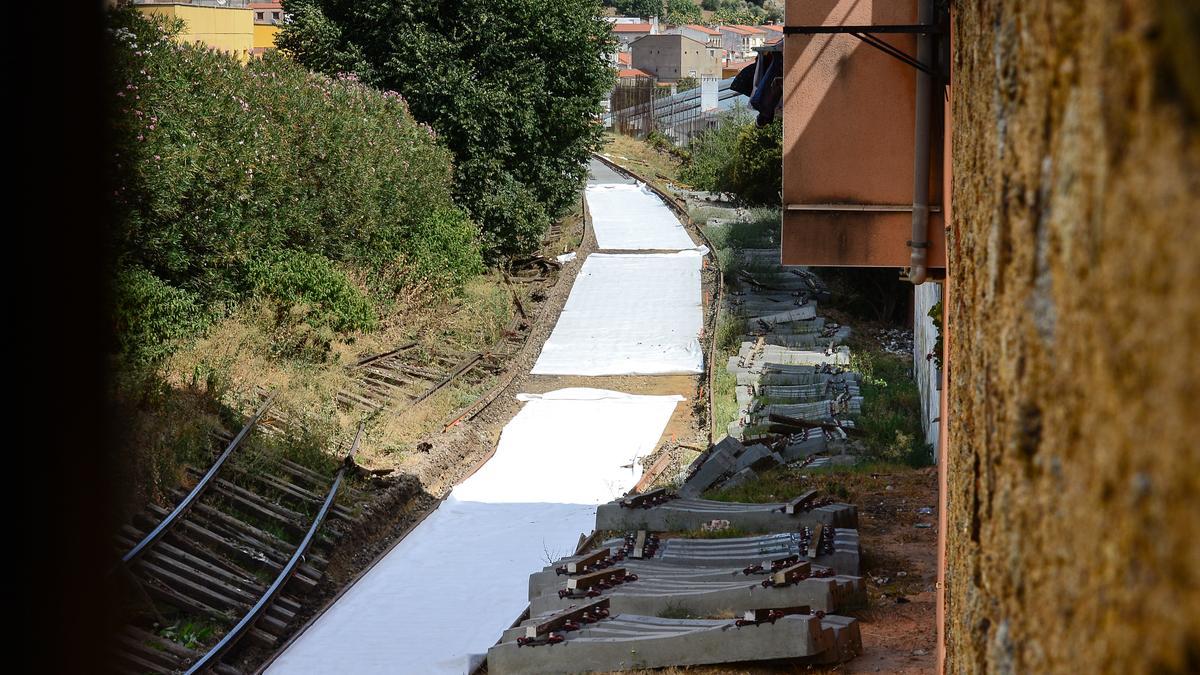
(844, 237)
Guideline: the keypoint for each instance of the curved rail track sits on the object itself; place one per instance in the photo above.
(228, 561)
(412, 372)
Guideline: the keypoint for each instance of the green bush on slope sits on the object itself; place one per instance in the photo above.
(265, 180)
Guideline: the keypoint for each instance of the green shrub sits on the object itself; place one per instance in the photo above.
(219, 165)
(659, 141)
(311, 281)
(756, 167)
(710, 153)
(738, 157)
(891, 411)
(150, 314)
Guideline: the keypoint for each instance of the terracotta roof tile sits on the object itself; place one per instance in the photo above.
(632, 72)
(631, 28)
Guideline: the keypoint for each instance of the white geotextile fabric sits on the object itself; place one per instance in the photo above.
(448, 589)
(629, 314)
(631, 218)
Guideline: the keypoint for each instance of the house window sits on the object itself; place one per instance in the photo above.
(275, 15)
(259, 16)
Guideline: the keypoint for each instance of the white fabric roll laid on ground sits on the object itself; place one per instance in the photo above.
(443, 595)
(629, 314)
(632, 218)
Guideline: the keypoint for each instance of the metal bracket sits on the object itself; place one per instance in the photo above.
(866, 34)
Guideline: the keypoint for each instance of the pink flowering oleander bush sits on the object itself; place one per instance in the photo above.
(265, 180)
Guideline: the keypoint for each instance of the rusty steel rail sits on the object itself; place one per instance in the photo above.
(186, 503)
(375, 357)
(247, 621)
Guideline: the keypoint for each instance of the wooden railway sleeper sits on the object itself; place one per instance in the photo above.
(306, 575)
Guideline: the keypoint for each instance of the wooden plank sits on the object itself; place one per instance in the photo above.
(801, 503)
(814, 543)
(147, 653)
(196, 576)
(140, 664)
(770, 615)
(371, 359)
(250, 554)
(259, 507)
(557, 621)
(792, 574)
(217, 599)
(578, 566)
(220, 573)
(293, 490)
(239, 530)
(639, 545)
(655, 470)
(466, 364)
(586, 581)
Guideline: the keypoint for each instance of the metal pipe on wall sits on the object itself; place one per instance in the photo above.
(919, 244)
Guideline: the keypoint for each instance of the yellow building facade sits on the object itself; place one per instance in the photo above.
(228, 29)
(264, 36)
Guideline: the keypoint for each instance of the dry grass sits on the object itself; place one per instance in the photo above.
(654, 165)
(170, 417)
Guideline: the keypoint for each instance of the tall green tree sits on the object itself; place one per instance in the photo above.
(681, 11)
(642, 8)
(513, 87)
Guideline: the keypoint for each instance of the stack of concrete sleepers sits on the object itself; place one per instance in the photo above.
(683, 513)
(590, 637)
(610, 607)
(729, 462)
(791, 361)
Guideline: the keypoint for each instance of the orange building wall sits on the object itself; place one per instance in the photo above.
(848, 140)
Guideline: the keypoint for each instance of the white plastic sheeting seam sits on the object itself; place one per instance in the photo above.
(629, 314)
(633, 218)
(440, 598)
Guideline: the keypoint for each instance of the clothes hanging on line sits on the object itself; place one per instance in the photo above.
(768, 87)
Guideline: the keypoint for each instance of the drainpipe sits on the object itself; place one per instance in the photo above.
(919, 244)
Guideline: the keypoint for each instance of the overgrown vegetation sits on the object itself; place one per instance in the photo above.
(658, 165)
(890, 421)
(759, 230)
(739, 158)
(512, 88)
(783, 483)
(725, 405)
(267, 181)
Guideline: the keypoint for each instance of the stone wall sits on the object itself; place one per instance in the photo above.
(1073, 543)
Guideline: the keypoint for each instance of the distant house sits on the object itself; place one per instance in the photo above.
(226, 26)
(709, 36)
(626, 33)
(671, 58)
(740, 41)
(772, 32)
(267, 18)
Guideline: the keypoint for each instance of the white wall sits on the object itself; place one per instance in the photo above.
(926, 372)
